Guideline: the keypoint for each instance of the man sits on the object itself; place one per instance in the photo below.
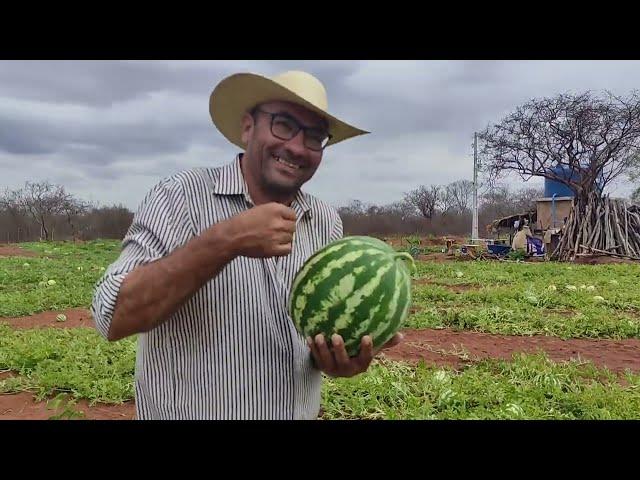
(207, 264)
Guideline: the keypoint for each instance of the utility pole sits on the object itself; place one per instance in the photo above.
(474, 227)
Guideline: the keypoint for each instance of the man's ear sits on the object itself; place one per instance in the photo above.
(247, 128)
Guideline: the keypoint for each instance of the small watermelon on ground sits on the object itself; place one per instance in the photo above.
(355, 286)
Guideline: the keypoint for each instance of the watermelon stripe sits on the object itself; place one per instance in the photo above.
(298, 299)
(370, 305)
(374, 242)
(396, 317)
(313, 316)
(380, 299)
(313, 260)
(322, 284)
(360, 297)
(324, 270)
(354, 286)
(314, 265)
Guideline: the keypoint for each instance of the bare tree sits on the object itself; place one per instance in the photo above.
(444, 202)
(460, 196)
(496, 201)
(582, 141)
(424, 199)
(355, 207)
(106, 222)
(10, 203)
(36, 210)
(42, 201)
(526, 199)
(402, 209)
(73, 209)
(595, 138)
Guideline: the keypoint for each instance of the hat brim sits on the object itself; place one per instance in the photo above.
(237, 94)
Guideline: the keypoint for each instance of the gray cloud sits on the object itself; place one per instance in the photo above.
(24, 139)
(109, 130)
(103, 83)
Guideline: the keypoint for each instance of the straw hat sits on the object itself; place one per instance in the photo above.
(239, 93)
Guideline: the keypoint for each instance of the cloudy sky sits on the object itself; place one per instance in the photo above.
(109, 130)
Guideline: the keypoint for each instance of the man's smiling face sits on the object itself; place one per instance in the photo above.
(280, 162)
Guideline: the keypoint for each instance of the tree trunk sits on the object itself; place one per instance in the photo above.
(44, 229)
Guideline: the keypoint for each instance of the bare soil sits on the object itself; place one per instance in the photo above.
(22, 406)
(456, 348)
(76, 317)
(604, 260)
(15, 251)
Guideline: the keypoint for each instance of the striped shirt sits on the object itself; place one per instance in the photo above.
(231, 351)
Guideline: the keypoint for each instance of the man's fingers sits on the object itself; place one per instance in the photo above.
(366, 352)
(332, 358)
(283, 245)
(314, 353)
(287, 213)
(325, 355)
(281, 250)
(283, 237)
(343, 361)
(288, 226)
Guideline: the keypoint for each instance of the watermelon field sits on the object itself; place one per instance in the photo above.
(485, 339)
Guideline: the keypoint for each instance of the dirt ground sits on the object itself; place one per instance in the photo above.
(21, 406)
(456, 348)
(76, 317)
(436, 258)
(15, 251)
(603, 260)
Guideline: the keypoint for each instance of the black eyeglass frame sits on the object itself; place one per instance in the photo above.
(298, 127)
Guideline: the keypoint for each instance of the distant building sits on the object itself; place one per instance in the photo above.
(551, 212)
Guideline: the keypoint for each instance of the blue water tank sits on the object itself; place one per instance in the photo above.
(552, 187)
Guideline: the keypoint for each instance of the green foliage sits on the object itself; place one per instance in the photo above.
(569, 301)
(76, 361)
(63, 277)
(529, 387)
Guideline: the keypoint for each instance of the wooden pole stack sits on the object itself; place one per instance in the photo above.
(602, 226)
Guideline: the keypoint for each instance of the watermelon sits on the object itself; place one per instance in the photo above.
(354, 286)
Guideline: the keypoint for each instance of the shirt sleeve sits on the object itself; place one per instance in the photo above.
(337, 230)
(160, 225)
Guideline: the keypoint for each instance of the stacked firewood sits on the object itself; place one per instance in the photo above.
(600, 226)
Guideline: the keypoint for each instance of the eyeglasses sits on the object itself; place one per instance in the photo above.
(285, 127)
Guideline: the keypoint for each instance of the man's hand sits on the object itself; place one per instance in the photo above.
(263, 231)
(336, 363)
